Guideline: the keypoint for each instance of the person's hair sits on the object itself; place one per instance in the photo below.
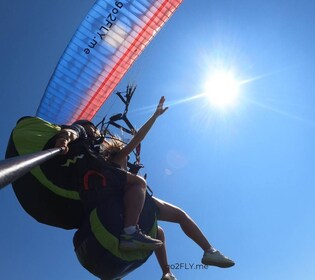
(112, 146)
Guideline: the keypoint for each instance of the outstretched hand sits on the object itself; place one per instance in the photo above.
(160, 110)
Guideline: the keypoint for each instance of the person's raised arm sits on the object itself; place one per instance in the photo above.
(139, 136)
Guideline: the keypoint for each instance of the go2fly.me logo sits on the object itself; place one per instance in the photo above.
(187, 266)
(117, 24)
(108, 30)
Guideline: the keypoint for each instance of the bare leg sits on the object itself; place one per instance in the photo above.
(160, 253)
(132, 238)
(171, 213)
(133, 199)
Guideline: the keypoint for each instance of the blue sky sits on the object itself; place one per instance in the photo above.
(245, 175)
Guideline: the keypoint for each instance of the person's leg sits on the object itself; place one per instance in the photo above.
(171, 213)
(134, 196)
(161, 257)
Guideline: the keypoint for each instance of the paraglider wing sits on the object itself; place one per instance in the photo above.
(108, 41)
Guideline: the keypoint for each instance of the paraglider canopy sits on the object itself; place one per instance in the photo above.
(106, 44)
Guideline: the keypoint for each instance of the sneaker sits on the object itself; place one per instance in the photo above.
(138, 241)
(215, 258)
(168, 276)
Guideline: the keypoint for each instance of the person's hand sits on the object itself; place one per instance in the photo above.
(160, 110)
(64, 137)
(62, 142)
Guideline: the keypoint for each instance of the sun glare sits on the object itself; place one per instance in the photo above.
(222, 89)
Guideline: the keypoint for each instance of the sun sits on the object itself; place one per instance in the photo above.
(222, 89)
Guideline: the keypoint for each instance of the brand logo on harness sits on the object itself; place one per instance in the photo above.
(72, 161)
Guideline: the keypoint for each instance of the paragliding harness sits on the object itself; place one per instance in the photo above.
(127, 127)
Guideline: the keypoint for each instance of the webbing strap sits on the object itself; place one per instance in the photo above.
(136, 166)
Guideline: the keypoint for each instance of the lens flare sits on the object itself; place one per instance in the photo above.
(222, 89)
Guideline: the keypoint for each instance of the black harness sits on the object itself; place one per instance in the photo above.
(125, 97)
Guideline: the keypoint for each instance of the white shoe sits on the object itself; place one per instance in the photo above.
(168, 276)
(138, 241)
(217, 259)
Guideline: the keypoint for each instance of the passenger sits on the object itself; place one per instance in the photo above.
(118, 153)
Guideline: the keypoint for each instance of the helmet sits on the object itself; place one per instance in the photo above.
(78, 126)
(83, 122)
